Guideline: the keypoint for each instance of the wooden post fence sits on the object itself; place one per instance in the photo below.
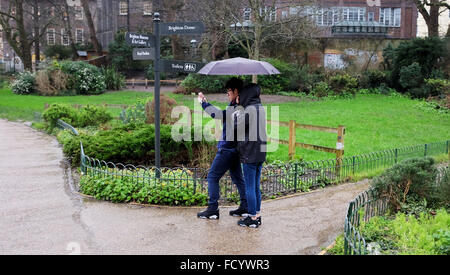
(292, 143)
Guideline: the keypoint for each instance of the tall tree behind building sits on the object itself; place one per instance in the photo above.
(430, 11)
(92, 32)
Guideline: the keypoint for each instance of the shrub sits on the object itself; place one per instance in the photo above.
(113, 79)
(133, 143)
(51, 82)
(59, 52)
(86, 116)
(204, 83)
(372, 79)
(411, 76)
(412, 178)
(24, 84)
(321, 90)
(279, 82)
(438, 87)
(144, 111)
(425, 51)
(343, 84)
(84, 78)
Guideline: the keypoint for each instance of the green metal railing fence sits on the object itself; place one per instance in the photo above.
(364, 207)
(276, 179)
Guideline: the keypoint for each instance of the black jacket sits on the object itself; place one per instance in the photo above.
(251, 126)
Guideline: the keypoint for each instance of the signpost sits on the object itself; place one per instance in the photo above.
(182, 28)
(140, 40)
(174, 66)
(150, 49)
(143, 53)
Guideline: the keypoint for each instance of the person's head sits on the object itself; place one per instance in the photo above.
(233, 87)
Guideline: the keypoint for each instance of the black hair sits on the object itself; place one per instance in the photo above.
(234, 83)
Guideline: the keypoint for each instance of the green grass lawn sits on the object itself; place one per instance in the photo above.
(22, 107)
(373, 122)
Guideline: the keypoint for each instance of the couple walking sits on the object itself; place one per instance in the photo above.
(241, 143)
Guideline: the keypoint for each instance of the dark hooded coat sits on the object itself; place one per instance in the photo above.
(251, 126)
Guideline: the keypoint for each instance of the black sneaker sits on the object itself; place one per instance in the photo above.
(259, 220)
(209, 214)
(248, 222)
(240, 212)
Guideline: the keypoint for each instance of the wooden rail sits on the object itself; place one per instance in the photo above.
(292, 143)
(146, 82)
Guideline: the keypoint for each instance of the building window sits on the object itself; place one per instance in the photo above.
(148, 9)
(51, 37)
(78, 13)
(247, 14)
(370, 16)
(123, 8)
(270, 13)
(390, 16)
(79, 38)
(64, 37)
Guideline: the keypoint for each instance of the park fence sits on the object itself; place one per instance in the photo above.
(276, 179)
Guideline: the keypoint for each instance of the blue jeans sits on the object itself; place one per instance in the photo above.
(225, 160)
(252, 175)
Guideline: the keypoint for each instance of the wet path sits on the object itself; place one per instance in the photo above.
(41, 215)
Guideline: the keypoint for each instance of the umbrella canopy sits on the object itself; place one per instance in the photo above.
(238, 66)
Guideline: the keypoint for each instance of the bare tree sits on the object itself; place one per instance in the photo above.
(24, 24)
(253, 23)
(430, 11)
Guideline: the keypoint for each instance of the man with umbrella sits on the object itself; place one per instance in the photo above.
(227, 157)
(250, 151)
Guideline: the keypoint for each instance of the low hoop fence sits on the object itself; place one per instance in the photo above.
(365, 206)
(276, 179)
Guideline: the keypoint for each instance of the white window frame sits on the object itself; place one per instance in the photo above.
(371, 16)
(123, 8)
(391, 17)
(51, 37)
(79, 13)
(147, 8)
(78, 36)
(247, 14)
(65, 40)
(270, 16)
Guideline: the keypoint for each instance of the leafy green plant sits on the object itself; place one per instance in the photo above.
(204, 83)
(86, 116)
(174, 187)
(343, 84)
(411, 178)
(84, 78)
(321, 89)
(24, 83)
(113, 79)
(438, 87)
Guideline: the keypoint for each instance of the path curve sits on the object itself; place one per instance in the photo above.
(40, 213)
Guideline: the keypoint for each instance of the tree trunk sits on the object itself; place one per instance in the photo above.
(66, 19)
(92, 32)
(24, 45)
(433, 23)
(37, 49)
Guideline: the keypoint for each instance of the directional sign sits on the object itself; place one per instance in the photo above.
(174, 66)
(144, 54)
(182, 28)
(140, 40)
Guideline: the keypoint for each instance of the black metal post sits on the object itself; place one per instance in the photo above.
(156, 66)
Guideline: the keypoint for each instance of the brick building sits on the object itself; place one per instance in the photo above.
(399, 17)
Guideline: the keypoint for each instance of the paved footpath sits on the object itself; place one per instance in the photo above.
(40, 213)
